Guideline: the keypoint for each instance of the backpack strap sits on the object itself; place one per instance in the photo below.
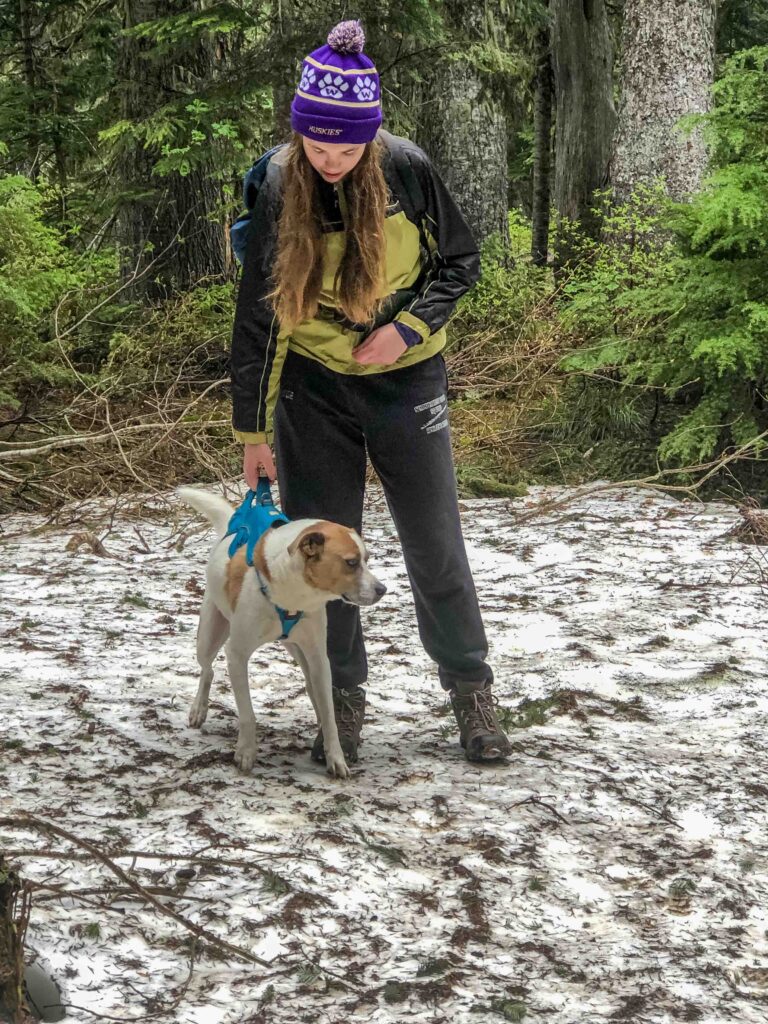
(412, 194)
(252, 182)
(254, 176)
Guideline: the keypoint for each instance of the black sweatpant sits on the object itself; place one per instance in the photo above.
(324, 422)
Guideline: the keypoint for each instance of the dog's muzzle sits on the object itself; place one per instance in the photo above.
(367, 594)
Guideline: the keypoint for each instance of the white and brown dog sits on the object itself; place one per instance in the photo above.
(304, 564)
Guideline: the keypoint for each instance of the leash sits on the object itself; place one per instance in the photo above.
(250, 521)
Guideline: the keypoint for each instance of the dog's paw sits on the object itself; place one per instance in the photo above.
(336, 766)
(245, 753)
(197, 714)
(245, 758)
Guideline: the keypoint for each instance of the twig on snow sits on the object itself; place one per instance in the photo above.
(534, 799)
(155, 1013)
(31, 821)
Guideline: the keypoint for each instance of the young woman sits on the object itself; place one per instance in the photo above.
(336, 354)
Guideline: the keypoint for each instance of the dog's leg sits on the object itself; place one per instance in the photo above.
(298, 656)
(237, 662)
(212, 631)
(311, 634)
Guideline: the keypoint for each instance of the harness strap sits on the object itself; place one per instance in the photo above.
(287, 621)
(249, 523)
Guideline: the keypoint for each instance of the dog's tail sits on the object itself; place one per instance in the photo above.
(213, 507)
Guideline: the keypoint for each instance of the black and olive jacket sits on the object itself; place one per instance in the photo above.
(423, 287)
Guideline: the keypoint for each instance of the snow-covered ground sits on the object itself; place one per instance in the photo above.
(615, 870)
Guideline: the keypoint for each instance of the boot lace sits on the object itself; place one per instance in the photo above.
(348, 705)
(479, 709)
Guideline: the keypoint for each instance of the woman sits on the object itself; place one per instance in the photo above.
(336, 351)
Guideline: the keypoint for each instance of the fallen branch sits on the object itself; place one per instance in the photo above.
(139, 854)
(78, 440)
(31, 821)
(708, 469)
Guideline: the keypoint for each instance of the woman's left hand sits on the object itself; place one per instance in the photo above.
(383, 347)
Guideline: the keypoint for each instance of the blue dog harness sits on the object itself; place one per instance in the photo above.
(249, 522)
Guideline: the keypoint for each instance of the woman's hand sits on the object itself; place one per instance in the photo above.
(255, 458)
(382, 347)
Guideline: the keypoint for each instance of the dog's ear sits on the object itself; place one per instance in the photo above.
(309, 544)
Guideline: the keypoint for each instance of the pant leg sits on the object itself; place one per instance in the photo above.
(320, 454)
(405, 419)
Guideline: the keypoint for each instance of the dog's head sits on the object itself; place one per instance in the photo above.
(335, 560)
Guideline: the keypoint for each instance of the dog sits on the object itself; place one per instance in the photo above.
(304, 564)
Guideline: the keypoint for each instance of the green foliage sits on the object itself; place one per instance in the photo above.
(488, 58)
(741, 25)
(507, 1009)
(185, 29)
(53, 106)
(189, 333)
(43, 286)
(395, 991)
(510, 286)
(432, 967)
(588, 411)
(675, 297)
(528, 713)
(274, 884)
(187, 133)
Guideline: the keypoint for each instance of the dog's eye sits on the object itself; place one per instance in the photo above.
(352, 562)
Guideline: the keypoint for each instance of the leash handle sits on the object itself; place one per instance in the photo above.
(261, 496)
(263, 491)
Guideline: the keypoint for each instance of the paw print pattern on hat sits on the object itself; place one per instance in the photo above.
(364, 88)
(339, 92)
(334, 87)
(307, 78)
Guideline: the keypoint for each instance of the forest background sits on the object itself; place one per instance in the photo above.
(612, 158)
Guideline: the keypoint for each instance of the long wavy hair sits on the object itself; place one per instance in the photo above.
(359, 284)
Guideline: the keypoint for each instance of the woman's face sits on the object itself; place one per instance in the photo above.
(332, 160)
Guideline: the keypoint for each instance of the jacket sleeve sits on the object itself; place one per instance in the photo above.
(258, 347)
(455, 253)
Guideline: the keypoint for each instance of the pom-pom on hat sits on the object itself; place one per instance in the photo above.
(338, 98)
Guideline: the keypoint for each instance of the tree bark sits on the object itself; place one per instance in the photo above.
(11, 956)
(463, 130)
(582, 57)
(668, 67)
(26, 32)
(174, 220)
(287, 72)
(542, 149)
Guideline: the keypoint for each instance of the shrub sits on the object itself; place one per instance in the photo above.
(44, 287)
(676, 297)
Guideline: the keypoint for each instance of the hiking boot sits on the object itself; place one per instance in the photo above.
(482, 737)
(349, 711)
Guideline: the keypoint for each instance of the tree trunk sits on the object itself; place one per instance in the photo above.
(542, 149)
(11, 957)
(174, 220)
(60, 159)
(287, 72)
(668, 68)
(582, 57)
(464, 132)
(26, 33)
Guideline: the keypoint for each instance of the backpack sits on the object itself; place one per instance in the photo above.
(252, 182)
(411, 198)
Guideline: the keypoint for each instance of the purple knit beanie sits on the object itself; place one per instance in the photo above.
(338, 98)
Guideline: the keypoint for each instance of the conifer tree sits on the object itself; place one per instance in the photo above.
(667, 71)
(582, 56)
